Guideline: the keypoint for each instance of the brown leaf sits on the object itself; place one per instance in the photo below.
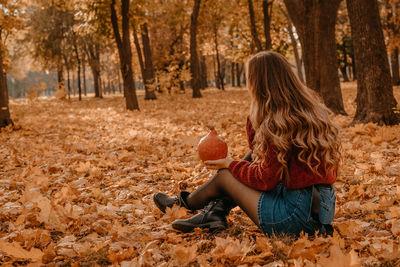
(15, 250)
(338, 258)
(185, 254)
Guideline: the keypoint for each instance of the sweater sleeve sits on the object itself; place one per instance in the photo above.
(250, 133)
(262, 177)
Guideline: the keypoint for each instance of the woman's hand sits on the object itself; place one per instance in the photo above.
(218, 164)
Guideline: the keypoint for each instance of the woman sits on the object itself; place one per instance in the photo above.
(285, 183)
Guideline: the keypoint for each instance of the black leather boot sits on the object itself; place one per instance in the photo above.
(213, 217)
(163, 201)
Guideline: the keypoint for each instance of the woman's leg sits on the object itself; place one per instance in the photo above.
(224, 184)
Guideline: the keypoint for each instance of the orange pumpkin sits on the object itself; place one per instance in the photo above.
(212, 147)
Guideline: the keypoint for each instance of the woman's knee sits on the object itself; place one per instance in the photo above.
(223, 176)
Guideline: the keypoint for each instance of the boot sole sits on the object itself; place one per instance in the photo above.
(188, 227)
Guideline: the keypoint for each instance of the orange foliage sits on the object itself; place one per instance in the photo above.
(76, 185)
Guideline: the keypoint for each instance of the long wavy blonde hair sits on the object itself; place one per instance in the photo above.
(289, 116)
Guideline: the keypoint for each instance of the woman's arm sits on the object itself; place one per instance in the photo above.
(263, 176)
(224, 163)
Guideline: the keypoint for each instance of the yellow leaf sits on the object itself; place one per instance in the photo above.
(338, 258)
(185, 254)
(83, 167)
(15, 250)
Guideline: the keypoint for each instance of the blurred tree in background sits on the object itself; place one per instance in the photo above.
(178, 44)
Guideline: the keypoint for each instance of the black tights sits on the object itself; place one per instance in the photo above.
(223, 184)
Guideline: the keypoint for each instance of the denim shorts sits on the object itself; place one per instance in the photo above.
(288, 211)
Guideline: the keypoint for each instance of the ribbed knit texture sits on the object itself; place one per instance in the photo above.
(265, 176)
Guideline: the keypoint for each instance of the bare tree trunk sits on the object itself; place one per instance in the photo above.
(60, 74)
(216, 78)
(253, 27)
(73, 83)
(98, 70)
(78, 59)
(239, 70)
(140, 56)
(219, 75)
(375, 100)
(293, 40)
(315, 24)
(5, 118)
(69, 84)
(394, 60)
(233, 74)
(79, 82)
(194, 59)
(203, 67)
(125, 53)
(84, 75)
(148, 63)
(103, 85)
(96, 85)
(223, 68)
(267, 11)
(93, 55)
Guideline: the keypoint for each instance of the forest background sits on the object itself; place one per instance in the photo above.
(78, 167)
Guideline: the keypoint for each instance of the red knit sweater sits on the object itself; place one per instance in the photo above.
(265, 176)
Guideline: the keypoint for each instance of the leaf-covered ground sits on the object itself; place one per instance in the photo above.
(77, 178)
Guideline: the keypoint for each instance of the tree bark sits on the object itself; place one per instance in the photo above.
(140, 56)
(375, 100)
(233, 74)
(103, 85)
(78, 59)
(125, 53)
(5, 118)
(293, 40)
(253, 27)
(219, 75)
(394, 60)
(223, 68)
(69, 84)
(148, 64)
(93, 55)
(84, 75)
(203, 73)
(239, 70)
(96, 85)
(267, 11)
(73, 83)
(60, 74)
(194, 59)
(315, 24)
